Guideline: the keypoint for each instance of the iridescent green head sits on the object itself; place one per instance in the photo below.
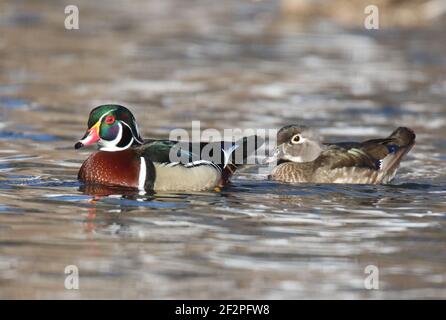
(113, 127)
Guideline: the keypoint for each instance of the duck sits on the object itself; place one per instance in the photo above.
(125, 159)
(301, 157)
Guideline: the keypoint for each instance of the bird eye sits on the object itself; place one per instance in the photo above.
(295, 139)
(109, 119)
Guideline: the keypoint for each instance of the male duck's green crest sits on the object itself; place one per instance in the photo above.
(113, 127)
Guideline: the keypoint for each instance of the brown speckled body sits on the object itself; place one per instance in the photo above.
(120, 168)
(306, 173)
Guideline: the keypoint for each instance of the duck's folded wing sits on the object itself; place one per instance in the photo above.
(377, 154)
(177, 168)
(220, 153)
(170, 153)
(166, 151)
(196, 166)
(338, 157)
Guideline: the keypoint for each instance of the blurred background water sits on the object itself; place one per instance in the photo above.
(229, 64)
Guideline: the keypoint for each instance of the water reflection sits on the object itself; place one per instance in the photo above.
(99, 191)
(237, 64)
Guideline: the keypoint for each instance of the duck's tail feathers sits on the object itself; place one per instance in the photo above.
(398, 145)
(402, 137)
(238, 153)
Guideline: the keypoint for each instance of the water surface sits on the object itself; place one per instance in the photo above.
(234, 65)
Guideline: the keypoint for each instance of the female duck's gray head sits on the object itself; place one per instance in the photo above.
(297, 144)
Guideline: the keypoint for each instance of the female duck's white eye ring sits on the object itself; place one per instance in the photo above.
(296, 139)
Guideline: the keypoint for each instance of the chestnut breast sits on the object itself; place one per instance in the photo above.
(119, 168)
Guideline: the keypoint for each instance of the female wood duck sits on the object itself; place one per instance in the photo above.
(126, 160)
(302, 158)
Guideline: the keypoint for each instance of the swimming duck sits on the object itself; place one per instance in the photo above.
(302, 158)
(124, 159)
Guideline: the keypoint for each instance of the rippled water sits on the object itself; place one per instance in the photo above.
(239, 64)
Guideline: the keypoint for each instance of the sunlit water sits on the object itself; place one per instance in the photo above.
(237, 65)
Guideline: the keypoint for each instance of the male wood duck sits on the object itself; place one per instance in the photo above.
(302, 158)
(124, 159)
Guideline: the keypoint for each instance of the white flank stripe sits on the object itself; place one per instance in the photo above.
(142, 174)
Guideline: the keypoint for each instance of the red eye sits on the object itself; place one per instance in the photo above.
(109, 119)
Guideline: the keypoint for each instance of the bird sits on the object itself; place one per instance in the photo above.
(301, 157)
(127, 160)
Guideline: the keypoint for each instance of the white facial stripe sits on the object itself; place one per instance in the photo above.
(105, 145)
(112, 145)
(142, 174)
(137, 133)
(134, 137)
(88, 139)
